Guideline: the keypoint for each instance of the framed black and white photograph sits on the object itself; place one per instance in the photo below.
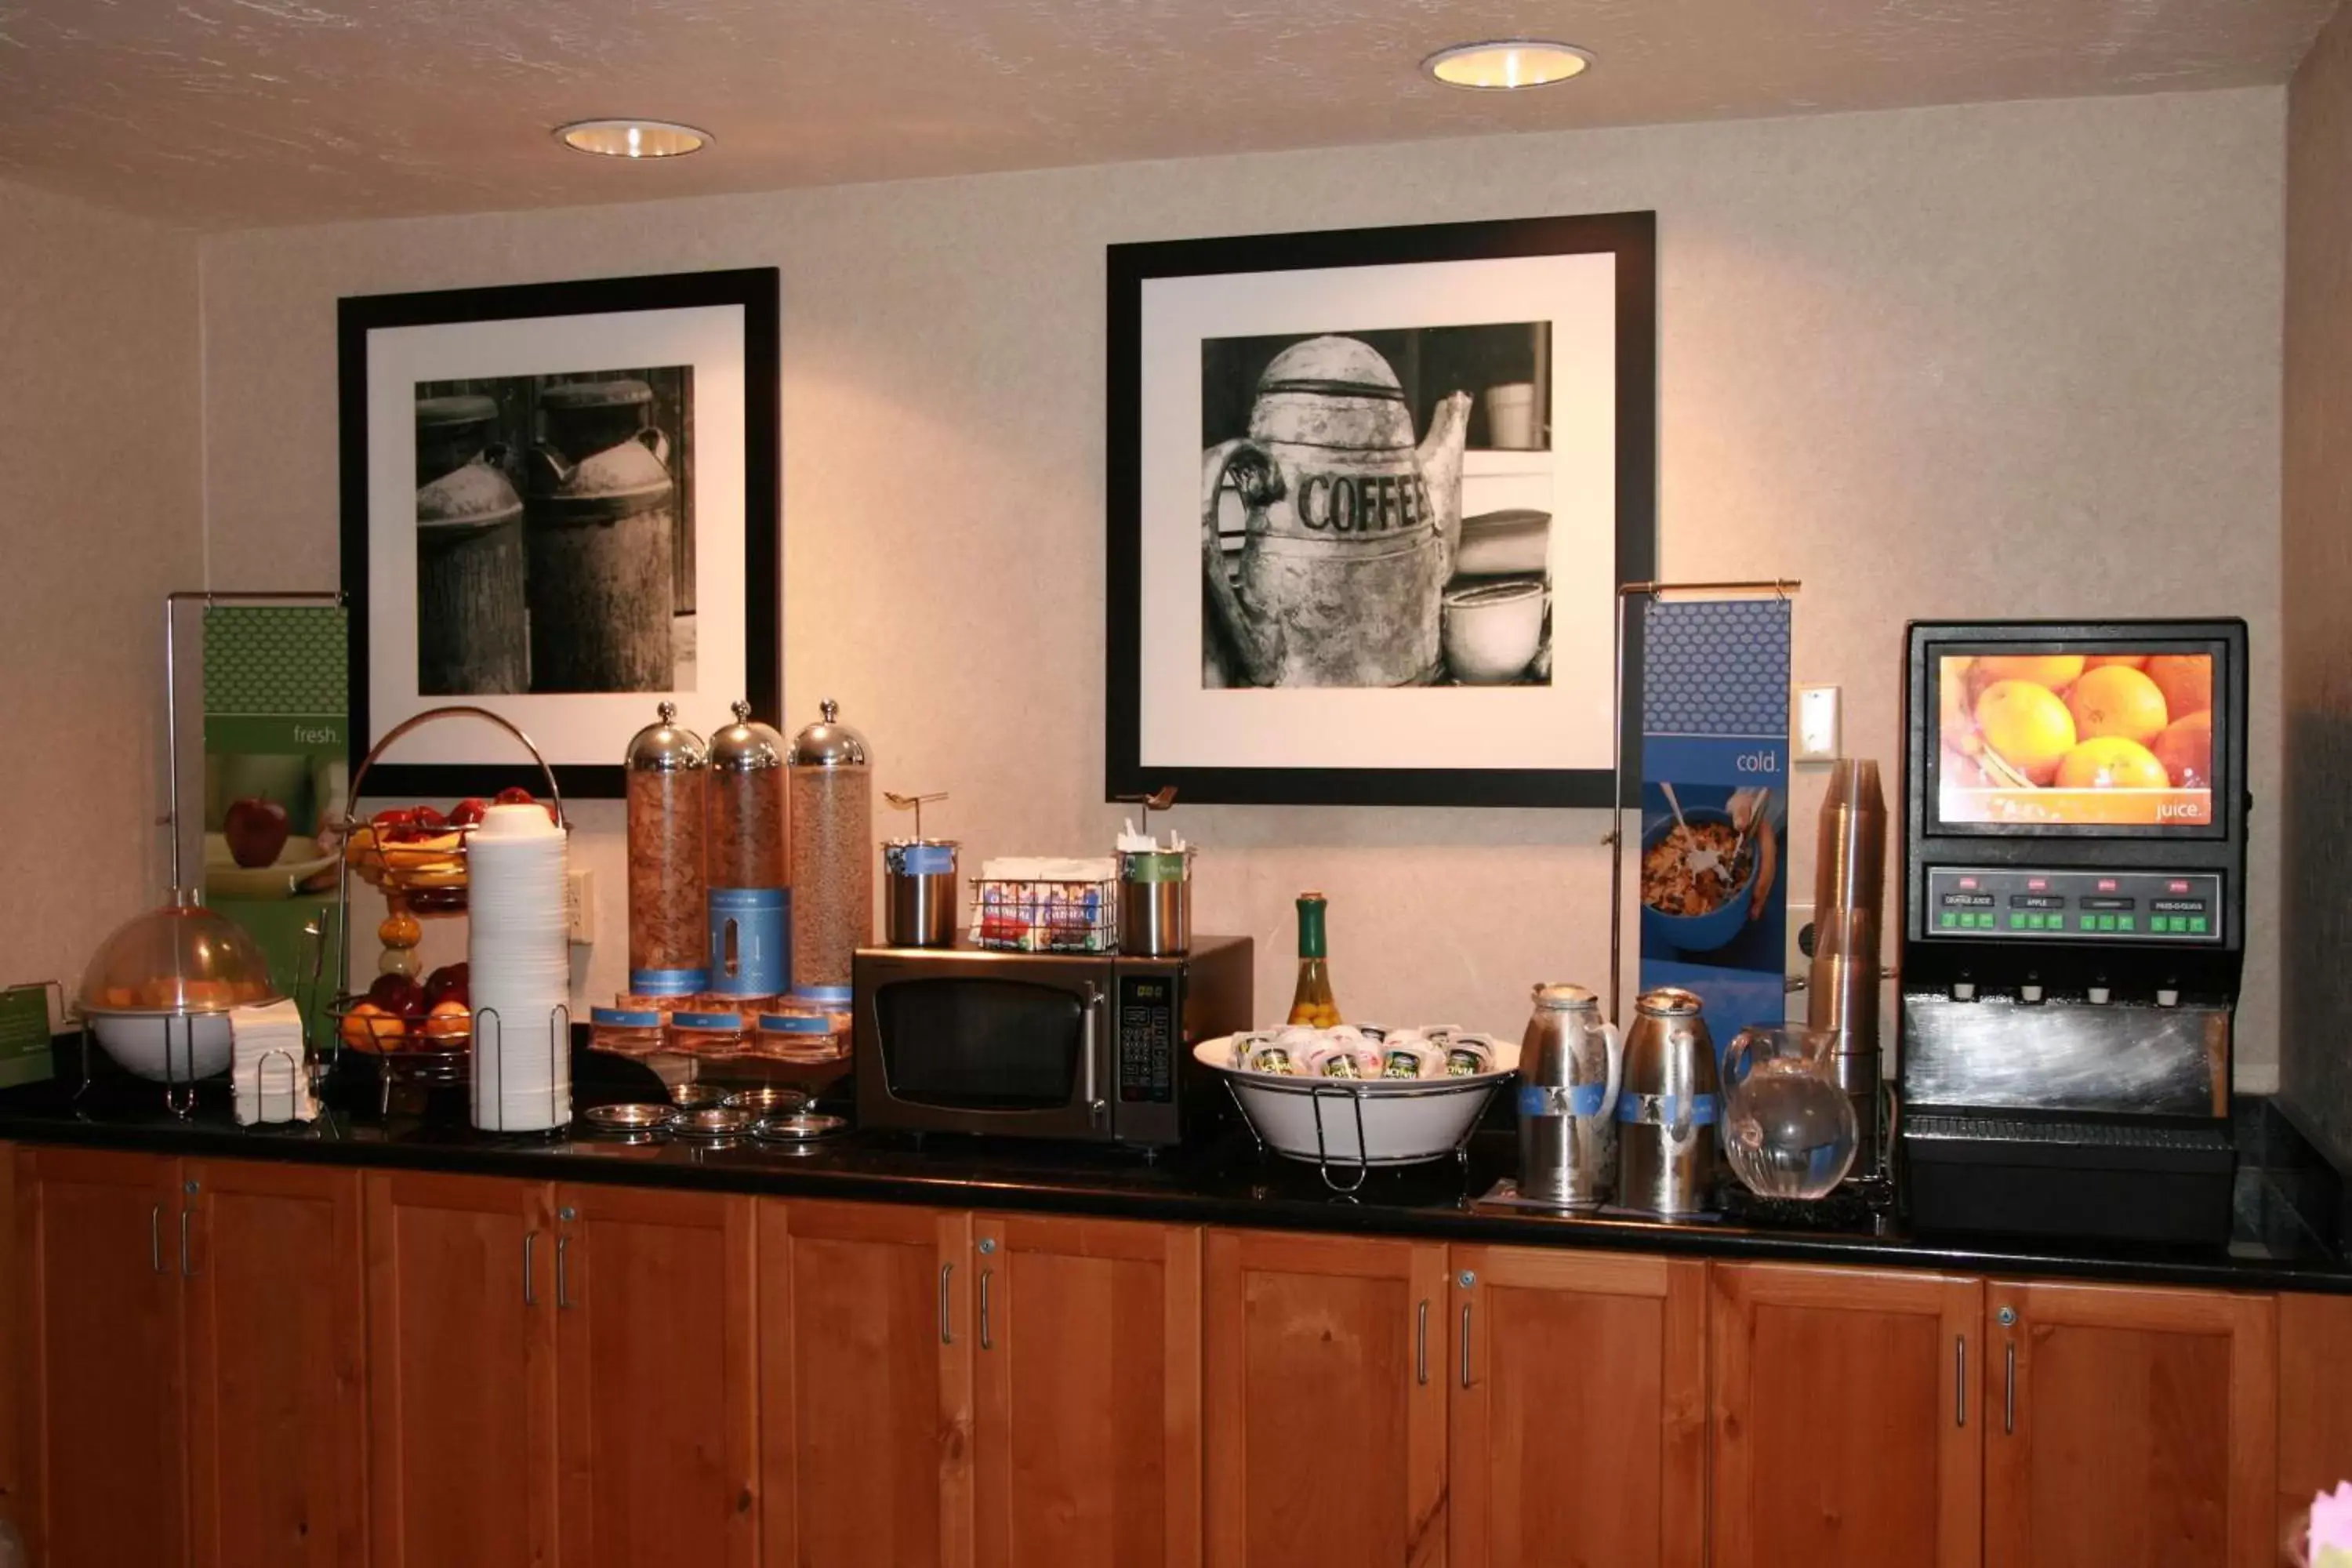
(1372, 495)
(561, 504)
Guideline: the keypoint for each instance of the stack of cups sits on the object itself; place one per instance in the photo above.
(519, 951)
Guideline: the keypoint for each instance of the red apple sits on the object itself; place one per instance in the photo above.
(450, 982)
(468, 811)
(399, 995)
(515, 795)
(256, 830)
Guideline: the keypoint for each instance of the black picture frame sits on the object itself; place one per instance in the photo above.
(757, 290)
(1630, 237)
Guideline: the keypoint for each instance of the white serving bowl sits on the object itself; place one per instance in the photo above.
(138, 1040)
(1404, 1121)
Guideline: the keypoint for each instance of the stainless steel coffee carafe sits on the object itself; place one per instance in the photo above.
(1849, 892)
(1667, 1108)
(1571, 1060)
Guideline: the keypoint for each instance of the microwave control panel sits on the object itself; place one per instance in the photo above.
(1149, 1034)
(2019, 903)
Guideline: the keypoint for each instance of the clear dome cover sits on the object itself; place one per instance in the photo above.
(182, 958)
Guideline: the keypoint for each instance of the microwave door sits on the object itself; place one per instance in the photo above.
(962, 1045)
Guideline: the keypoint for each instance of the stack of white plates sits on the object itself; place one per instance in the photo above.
(520, 956)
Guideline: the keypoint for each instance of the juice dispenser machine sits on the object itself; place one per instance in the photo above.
(2074, 919)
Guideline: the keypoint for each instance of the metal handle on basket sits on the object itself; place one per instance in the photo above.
(351, 822)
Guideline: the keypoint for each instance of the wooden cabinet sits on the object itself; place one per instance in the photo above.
(866, 1385)
(658, 1422)
(2129, 1426)
(1087, 1342)
(1324, 1401)
(99, 1317)
(276, 1355)
(2314, 1404)
(1578, 1433)
(1846, 1428)
(461, 1279)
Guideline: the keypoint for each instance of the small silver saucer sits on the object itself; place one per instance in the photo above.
(770, 1102)
(715, 1121)
(686, 1096)
(639, 1119)
(802, 1128)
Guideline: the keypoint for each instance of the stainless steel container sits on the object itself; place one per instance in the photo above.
(918, 892)
(1570, 1065)
(1842, 990)
(1155, 902)
(1667, 1109)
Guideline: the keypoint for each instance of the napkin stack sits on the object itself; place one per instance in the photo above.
(269, 1066)
(519, 947)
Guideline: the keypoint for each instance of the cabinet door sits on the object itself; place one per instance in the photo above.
(2315, 1407)
(653, 1331)
(1323, 1398)
(461, 1365)
(1846, 1428)
(1087, 1348)
(1578, 1427)
(277, 1338)
(101, 1322)
(2130, 1427)
(866, 1385)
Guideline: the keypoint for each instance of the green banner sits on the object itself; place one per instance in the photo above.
(277, 779)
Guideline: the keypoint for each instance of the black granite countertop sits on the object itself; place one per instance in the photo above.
(2287, 1203)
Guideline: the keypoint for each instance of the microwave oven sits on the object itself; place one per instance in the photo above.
(1095, 1047)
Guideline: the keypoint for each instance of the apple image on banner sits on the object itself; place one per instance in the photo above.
(256, 830)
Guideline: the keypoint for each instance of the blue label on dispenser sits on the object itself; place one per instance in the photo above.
(1576, 1099)
(922, 859)
(824, 996)
(750, 941)
(668, 982)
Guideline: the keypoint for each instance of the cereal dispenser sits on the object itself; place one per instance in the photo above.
(832, 868)
(749, 950)
(669, 931)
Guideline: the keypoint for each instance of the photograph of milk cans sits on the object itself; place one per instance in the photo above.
(561, 505)
(1371, 496)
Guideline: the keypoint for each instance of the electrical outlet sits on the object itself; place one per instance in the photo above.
(1796, 963)
(580, 907)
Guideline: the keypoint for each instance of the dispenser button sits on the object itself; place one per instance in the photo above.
(2107, 922)
(2127, 922)
(2029, 992)
(2197, 925)
(1964, 991)
(2167, 997)
(1950, 920)
(2098, 996)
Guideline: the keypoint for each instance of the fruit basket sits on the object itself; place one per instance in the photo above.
(415, 1027)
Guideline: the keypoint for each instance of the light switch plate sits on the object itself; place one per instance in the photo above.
(1817, 724)
(580, 907)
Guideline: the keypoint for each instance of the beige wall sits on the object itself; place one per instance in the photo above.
(2317, 550)
(99, 520)
(2014, 359)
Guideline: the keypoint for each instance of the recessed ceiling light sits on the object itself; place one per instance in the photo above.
(632, 138)
(1507, 63)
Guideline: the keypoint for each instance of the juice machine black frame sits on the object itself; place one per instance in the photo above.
(2064, 1054)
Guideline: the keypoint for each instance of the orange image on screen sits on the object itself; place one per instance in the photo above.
(2075, 740)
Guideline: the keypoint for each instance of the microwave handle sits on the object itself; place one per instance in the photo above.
(1089, 1049)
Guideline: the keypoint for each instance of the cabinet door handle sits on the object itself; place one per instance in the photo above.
(947, 1334)
(562, 1280)
(155, 1238)
(1960, 1380)
(187, 1271)
(2009, 1394)
(530, 1247)
(1420, 1345)
(985, 1344)
(1465, 1344)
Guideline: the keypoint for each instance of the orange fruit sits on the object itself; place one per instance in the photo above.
(2055, 670)
(2111, 761)
(2027, 725)
(2186, 750)
(2186, 679)
(2117, 660)
(2118, 701)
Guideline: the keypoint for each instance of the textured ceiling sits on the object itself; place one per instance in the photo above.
(233, 113)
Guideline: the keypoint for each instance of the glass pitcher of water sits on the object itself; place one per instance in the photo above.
(1789, 1129)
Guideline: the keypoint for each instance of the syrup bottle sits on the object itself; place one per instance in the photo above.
(1312, 1003)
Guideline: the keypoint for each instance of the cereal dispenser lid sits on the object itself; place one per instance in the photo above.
(829, 742)
(663, 747)
(746, 746)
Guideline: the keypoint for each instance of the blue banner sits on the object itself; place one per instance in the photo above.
(1711, 864)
